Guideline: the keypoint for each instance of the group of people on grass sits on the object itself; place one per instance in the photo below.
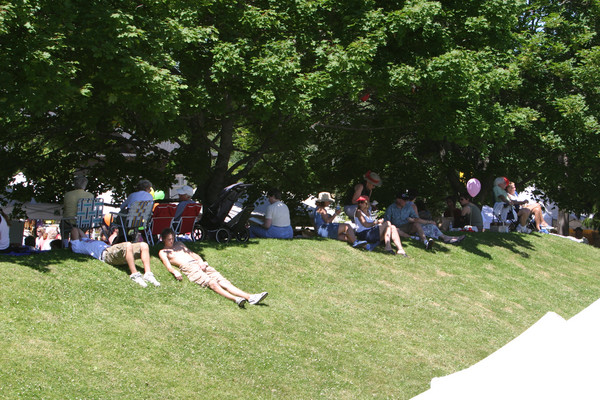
(401, 220)
(173, 253)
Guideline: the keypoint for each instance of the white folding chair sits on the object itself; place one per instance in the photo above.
(137, 217)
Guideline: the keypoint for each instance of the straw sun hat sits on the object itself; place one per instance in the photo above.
(324, 196)
(373, 178)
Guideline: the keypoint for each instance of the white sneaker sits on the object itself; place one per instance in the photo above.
(257, 298)
(137, 278)
(240, 301)
(149, 277)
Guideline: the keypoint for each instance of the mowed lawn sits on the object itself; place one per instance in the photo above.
(339, 323)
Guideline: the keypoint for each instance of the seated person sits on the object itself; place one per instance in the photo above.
(4, 233)
(277, 223)
(42, 242)
(578, 232)
(374, 231)
(325, 227)
(402, 215)
(372, 180)
(503, 204)
(471, 214)
(185, 198)
(144, 187)
(5, 246)
(198, 271)
(118, 254)
(534, 208)
(70, 203)
(453, 212)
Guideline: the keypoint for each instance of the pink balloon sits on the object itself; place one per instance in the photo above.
(473, 187)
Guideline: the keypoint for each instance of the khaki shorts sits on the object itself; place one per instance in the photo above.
(115, 254)
(195, 274)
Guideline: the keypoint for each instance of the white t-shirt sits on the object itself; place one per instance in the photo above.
(279, 214)
(4, 234)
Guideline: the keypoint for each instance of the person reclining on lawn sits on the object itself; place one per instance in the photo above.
(198, 271)
(402, 215)
(117, 254)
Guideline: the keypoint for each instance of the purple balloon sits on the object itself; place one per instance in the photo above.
(473, 187)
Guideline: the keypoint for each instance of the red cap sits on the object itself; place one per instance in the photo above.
(362, 198)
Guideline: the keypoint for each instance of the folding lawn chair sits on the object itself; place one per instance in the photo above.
(138, 217)
(162, 216)
(88, 216)
(505, 215)
(185, 224)
(89, 213)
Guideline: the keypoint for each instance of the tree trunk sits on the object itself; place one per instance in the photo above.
(563, 222)
(220, 177)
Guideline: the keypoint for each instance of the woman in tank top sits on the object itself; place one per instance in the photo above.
(375, 230)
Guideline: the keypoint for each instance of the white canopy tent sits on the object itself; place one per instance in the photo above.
(553, 359)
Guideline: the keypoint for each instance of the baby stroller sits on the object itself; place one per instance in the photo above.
(225, 219)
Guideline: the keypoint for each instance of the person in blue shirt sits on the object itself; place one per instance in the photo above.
(124, 253)
(404, 217)
(144, 187)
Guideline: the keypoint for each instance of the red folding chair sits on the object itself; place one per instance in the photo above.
(188, 218)
(162, 216)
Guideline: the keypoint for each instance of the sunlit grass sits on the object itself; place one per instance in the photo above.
(339, 323)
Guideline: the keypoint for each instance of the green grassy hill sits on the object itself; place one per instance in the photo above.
(339, 323)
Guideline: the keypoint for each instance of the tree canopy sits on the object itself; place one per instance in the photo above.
(304, 95)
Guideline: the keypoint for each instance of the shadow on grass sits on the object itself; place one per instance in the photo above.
(41, 261)
(476, 243)
(198, 246)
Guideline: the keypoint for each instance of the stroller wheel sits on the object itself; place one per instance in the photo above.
(243, 235)
(223, 235)
(199, 233)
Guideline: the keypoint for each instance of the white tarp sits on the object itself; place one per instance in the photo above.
(553, 359)
(38, 210)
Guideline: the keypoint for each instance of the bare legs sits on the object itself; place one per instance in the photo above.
(346, 233)
(144, 256)
(523, 216)
(536, 210)
(389, 234)
(228, 291)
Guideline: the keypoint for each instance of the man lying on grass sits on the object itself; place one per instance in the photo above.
(118, 254)
(198, 270)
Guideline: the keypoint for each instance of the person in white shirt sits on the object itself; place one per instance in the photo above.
(4, 233)
(277, 223)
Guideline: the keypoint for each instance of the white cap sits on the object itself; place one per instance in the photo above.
(186, 190)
